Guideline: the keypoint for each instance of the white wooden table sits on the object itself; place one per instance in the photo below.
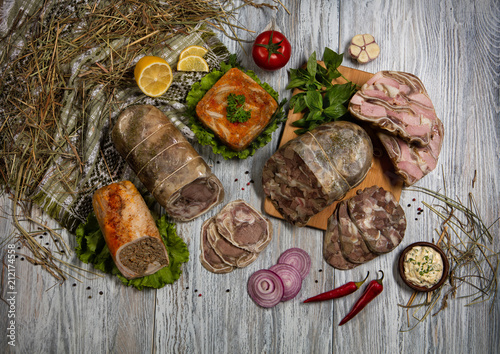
(454, 47)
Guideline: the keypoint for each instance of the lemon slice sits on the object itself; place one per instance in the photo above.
(153, 75)
(193, 50)
(192, 63)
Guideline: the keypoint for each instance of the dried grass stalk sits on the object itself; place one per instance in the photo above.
(34, 81)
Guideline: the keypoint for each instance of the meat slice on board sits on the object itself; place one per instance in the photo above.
(310, 172)
(411, 161)
(396, 103)
(352, 244)
(379, 218)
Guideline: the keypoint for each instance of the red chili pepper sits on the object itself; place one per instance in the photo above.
(374, 288)
(346, 289)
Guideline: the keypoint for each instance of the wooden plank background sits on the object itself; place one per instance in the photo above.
(454, 47)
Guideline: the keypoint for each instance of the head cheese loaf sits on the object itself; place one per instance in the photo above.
(166, 163)
(310, 172)
(129, 230)
(363, 227)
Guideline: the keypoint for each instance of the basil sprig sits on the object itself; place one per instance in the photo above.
(321, 101)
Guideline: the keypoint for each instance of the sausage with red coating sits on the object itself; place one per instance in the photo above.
(129, 230)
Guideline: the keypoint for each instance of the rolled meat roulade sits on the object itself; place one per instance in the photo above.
(166, 163)
(129, 230)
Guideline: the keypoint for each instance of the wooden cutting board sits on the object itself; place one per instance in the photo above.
(381, 173)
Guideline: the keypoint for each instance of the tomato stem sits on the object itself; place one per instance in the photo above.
(272, 48)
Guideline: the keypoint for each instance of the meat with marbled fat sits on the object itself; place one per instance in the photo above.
(243, 226)
(352, 244)
(234, 237)
(332, 252)
(379, 218)
(229, 253)
(310, 172)
(208, 257)
(410, 161)
(396, 103)
(166, 163)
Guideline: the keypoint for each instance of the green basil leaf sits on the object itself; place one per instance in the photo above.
(312, 65)
(299, 102)
(313, 116)
(338, 94)
(296, 82)
(335, 112)
(332, 60)
(301, 131)
(300, 123)
(314, 100)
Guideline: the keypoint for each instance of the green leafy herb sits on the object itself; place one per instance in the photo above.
(321, 101)
(92, 249)
(235, 109)
(206, 136)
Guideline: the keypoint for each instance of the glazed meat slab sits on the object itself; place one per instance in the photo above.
(211, 110)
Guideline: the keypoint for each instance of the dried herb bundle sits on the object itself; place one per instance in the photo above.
(37, 62)
(469, 245)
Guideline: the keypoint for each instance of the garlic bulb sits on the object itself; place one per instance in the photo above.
(363, 48)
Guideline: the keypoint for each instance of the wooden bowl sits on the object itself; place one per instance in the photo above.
(446, 267)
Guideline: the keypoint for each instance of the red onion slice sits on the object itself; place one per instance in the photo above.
(298, 258)
(292, 281)
(265, 288)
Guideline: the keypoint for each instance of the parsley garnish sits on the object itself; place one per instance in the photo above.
(235, 111)
(321, 100)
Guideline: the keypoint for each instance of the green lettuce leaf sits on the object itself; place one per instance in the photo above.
(92, 249)
(206, 136)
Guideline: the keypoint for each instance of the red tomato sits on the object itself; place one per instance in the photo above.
(271, 50)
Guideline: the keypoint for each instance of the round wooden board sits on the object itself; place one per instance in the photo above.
(381, 173)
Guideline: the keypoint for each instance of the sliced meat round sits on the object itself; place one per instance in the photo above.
(397, 103)
(229, 253)
(332, 252)
(352, 244)
(166, 163)
(242, 225)
(379, 218)
(129, 230)
(208, 257)
(410, 161)
(310, 172)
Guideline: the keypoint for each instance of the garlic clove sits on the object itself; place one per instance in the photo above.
(373, 50)
(363, 48)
